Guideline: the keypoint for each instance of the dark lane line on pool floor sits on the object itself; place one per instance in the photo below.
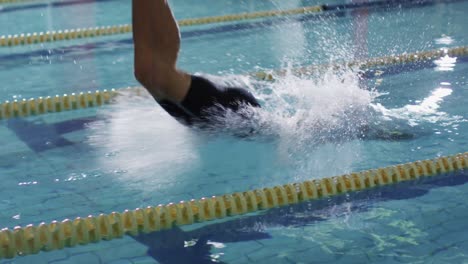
(11, 60)
(8, 9)
(40, 136)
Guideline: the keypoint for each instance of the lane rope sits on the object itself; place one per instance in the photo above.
(75, 101)
(43, 105)
(81, 33)
(56, 235)
(369, 63)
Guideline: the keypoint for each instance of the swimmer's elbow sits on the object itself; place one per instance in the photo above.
(150, 75)
(163, 80)
(141, 75)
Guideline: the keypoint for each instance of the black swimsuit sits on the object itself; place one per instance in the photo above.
(206, 101)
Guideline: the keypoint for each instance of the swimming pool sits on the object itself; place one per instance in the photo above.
(130, 154)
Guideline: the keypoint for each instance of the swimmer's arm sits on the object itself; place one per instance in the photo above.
(157, 41)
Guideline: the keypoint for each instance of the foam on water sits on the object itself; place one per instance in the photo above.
(317, 120)
(423, 111)
(309, 123)
(307, 127)
(137, 136)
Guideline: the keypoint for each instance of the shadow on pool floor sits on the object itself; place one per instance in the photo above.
(169, 246)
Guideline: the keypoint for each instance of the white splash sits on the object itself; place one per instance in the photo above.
(316, 119)
(309, 121)
(426, 110)
(138, 138)
(445, 63)
(444, 40)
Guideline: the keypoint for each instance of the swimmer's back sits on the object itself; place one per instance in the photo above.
(207, 101)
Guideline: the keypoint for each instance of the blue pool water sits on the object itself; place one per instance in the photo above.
(131, 154)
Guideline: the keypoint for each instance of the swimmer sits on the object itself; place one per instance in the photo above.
(192, 100)
(188, 98)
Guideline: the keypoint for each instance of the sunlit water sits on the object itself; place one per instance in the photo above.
(308, 127)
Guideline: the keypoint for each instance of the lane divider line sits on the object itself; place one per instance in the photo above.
(75, 101)
(69, 34)
(369, 63)
(60, 103)
(56, 235)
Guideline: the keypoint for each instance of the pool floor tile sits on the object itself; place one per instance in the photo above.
(119, 261)
(233, 251)
(10, 142)
(42, 257)
(88, 258)
(143, 260)
(125, 248)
